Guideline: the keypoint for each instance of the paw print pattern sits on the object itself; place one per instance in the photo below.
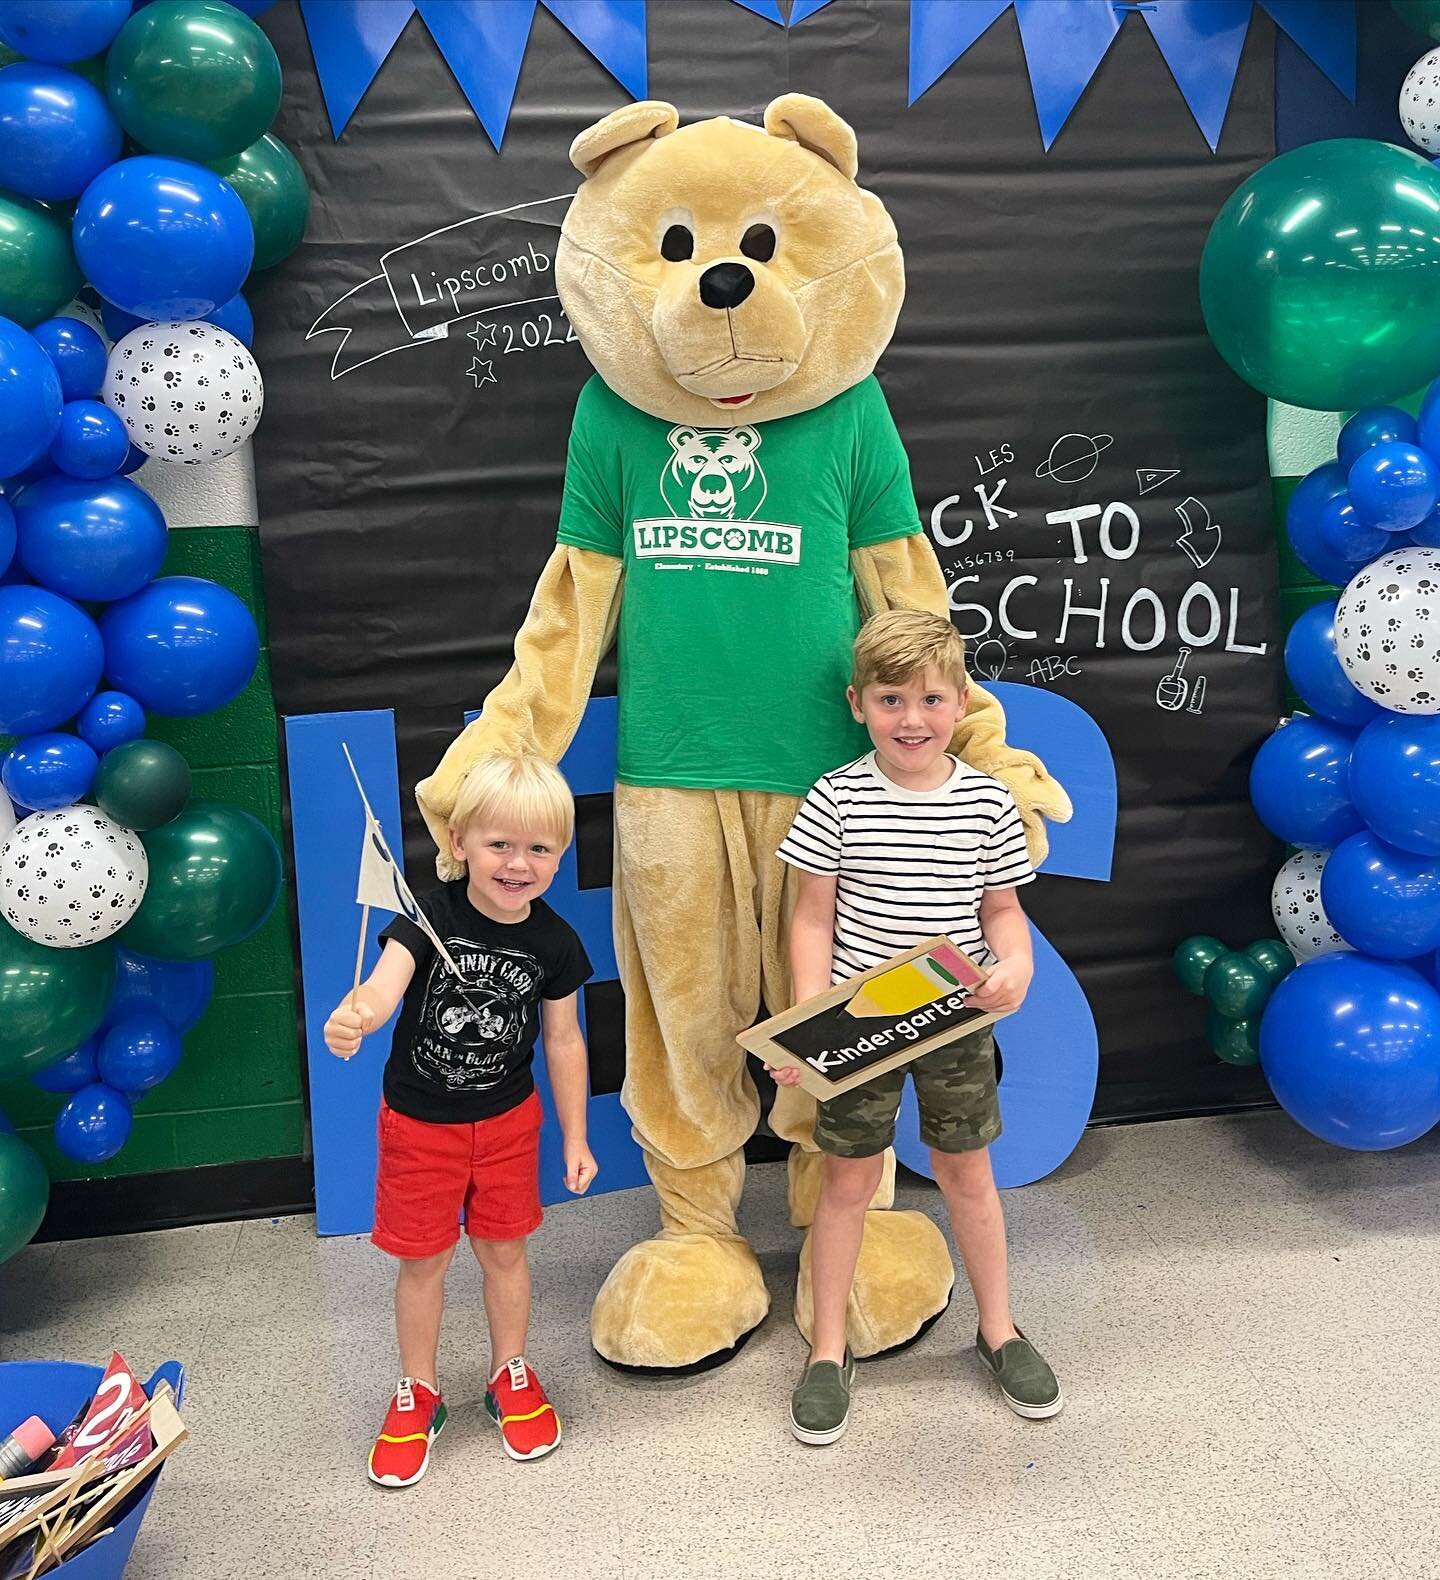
(1420, 102)
(1386, 633)
(162, 381)
(71, 878)
(1295, 904)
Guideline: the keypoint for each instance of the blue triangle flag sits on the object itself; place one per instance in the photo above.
(940, 33)
(350, 40)
(483, 42)
(614, 33)
(1065, 41)
(1201, 43)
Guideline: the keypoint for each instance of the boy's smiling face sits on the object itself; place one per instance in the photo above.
(509, 866)
(911, 723)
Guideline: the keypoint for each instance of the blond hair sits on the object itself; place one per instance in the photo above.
(894, 646)
(524, 788)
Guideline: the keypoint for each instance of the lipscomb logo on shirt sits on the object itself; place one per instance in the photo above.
(714, 485)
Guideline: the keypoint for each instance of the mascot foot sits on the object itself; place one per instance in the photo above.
(679, 1303)
(902, 1283)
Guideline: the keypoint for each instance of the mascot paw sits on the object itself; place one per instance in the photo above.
(902, 1283)
(679, 1303)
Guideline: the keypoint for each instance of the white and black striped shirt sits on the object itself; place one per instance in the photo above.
(910, 863)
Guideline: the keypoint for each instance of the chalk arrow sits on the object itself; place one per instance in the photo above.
(1200, 541)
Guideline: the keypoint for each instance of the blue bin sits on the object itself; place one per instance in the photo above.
(55, 1390)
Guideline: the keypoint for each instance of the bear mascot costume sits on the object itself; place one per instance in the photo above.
(736, 500)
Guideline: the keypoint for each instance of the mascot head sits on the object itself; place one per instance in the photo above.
(723, 273)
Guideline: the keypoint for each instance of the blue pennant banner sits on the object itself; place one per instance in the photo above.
(1065, 41)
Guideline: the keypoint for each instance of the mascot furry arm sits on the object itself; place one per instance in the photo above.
(571, 625)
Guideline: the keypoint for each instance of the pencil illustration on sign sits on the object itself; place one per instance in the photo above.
(896, 992)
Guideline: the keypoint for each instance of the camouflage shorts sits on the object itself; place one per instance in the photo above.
(955, 1088)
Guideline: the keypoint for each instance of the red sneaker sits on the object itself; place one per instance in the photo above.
(401, 1454)
(529, 1427)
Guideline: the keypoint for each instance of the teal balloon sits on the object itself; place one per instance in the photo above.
(1193, 957)
(1320, 279)
(1236, 985)
(142, 784)
(38, 272)
(273, 188)
(1273, 958)
(214, 878)
(1422, 15)
(24, 1194)
(1234, 1041)
(50, 1000)
(194, 78)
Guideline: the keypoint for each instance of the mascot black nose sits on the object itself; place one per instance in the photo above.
(726, 285)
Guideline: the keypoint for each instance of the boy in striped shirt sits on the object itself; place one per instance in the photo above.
(905, 843)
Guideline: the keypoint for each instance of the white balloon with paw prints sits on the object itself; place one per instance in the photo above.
(186, 392)
(1295, 904)
(1420, 103)
(1387, 630)
(72, 877)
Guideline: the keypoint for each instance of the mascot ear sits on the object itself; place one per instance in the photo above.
(814, 125)
(634, 123)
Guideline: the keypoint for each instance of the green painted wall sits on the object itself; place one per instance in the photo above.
(237, 1094)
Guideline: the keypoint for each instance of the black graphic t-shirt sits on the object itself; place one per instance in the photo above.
(462, 1049)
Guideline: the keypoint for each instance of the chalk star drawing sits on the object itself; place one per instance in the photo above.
(487, 376)
(483, 335)
(1149, 477)
(1200, 541)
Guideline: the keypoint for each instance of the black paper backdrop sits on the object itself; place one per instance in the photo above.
(1051, 349)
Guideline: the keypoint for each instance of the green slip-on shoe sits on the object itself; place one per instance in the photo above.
(820, 1405)
(1027, 1384)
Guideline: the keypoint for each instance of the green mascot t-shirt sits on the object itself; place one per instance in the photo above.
(739, 606)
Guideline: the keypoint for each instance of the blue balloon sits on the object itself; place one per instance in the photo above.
(60, 31)
(57, 131)
(235, 315)
(138, 1052)
(1341, 533)
(50, 659)
(1375, 425)
(75, 1070)
(1351, 1049)
(92, 442)
(1394, 486)
(163, 238)
(1395, 780)
(1382, 901)
(118, 323)
(7, 535)
(90, 540)
(30, 399)
(176, 990)
(135, 458)
(94, 1124)
(7, 1125)
(1317, 674)
(78, 354)
(110, 719)
(180, 646)
(1428, 421)
(1302, 523)
(49, 771)
(1300, 784)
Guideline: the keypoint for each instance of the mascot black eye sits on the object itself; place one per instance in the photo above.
(758, 243)
(677, 244)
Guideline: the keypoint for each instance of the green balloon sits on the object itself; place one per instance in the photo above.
(272, 186)
(1193, 958)
(38, 272)
(1273, 958)
(1320, 280)
(195, 78)
(24, 1195)
(142, 784)
(50, 999)
(1234, 1041)
(1235, 984)
(1422, 15)
(214, 877)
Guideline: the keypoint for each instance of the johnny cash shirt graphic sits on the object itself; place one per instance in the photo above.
(463, 1047)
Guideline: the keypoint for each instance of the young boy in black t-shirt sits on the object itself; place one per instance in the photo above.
(460, 1121)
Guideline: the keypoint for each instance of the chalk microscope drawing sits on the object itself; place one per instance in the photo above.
(1174, 689)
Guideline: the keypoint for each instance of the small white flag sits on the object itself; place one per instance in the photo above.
(381, 883)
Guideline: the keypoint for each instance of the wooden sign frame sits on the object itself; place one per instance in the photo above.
(761, 1039)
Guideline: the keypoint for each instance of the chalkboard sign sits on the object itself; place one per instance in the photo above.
(875, 1022)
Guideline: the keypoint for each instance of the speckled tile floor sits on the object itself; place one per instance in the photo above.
(1244, 1321)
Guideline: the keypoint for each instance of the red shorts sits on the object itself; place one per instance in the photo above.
(491, 1168)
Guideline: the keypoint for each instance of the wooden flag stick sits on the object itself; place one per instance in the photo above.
(360, 953)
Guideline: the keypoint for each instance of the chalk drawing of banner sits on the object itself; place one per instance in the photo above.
(504, 258)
